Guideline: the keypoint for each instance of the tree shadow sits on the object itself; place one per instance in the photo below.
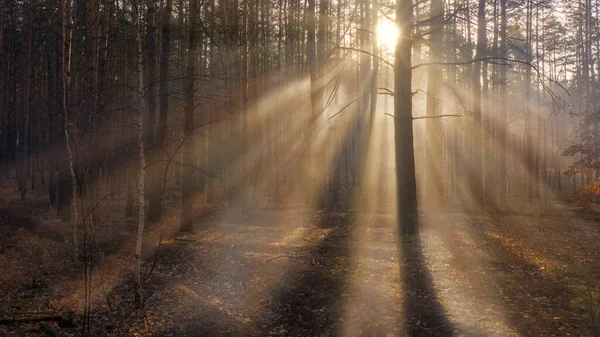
(310, 295)
(527, 290)
(424, 313)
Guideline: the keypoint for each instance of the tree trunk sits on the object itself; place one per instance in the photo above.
(189, 182)
(153, 175)
(140, 107)
(477, 179)
(155, 197)
(529, 173)
(26, 53)
(435, 178)
(502, 111)
(406, 184)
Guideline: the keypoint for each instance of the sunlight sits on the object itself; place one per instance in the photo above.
(460, 278)
(387, 35)
(376, 303)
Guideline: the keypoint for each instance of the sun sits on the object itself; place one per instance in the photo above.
(387, 35)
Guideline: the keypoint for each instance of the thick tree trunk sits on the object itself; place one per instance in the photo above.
(406, 184)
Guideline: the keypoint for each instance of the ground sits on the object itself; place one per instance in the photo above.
(293, 271)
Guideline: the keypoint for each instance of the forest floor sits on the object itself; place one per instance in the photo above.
(293, 271)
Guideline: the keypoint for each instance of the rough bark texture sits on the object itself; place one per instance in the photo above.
(403, 123)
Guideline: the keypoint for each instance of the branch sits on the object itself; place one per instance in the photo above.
(429, 117)
(434, 117)
(368, 53)
(468, 62)
(347, 105)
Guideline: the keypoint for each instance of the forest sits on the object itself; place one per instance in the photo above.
(300, 168)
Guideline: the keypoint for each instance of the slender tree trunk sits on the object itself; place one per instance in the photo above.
(374, 77)
(530, 175)
(141, 110)
(502, 111)
(153, 175)
(434, 161)
(26, 54)
(3, 97)
(65, 178)
(1, 25)
(477, 180)
(155, 204)
(189, 182)
(311, 50)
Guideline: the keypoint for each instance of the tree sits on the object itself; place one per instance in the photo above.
(406, 184)
(435, 185)
(502, 83)
(141, 112)
(153, 180)
(477, 187)
(155, 205)
(188, 185)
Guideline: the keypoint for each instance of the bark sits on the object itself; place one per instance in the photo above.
(1, 23)
(477, 179)
(153, 175)
(434, 162)
(141, 111)
(406, 184)
(313, 68)
(65, 179)
(53, 102)
(530, 177)
(374, 76)
(154, 205)
(189, 182)
(502, 110)
(23, 145)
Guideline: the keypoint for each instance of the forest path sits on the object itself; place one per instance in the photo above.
(326, 274)
(298, 272)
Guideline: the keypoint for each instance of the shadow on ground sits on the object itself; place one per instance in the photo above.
(424, 313)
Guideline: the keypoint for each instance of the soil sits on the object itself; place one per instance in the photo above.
(293, 271)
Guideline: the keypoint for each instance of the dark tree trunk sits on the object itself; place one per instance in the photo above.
(153, 175)
(406, 184)
(189, 181)
(154, 206)
(477, 169)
